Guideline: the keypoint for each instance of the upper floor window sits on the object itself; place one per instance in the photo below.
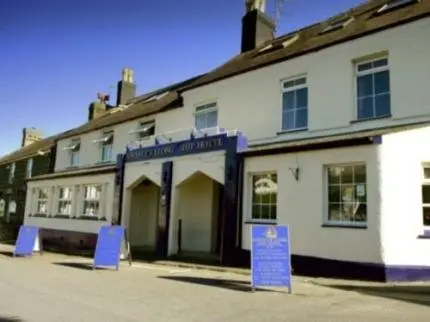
(42, 201)
(12, 172)
(295, 104)
(106, 143)
(425, 195)
(347, 194)
(65, 201)
(29, 171)
(145, 130)
(264, 196)
(373, 89)
(92, 195)
(74, 148)
(206, 116)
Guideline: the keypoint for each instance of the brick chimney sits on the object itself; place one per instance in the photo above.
(126, 88)
(257, 26)
(30, 135)
(98, 107)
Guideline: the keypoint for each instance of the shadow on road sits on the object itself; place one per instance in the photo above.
(233, 285)
(417, 294)
(83, 266)
(7, 254)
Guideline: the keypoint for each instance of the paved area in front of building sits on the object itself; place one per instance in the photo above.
(61, 288)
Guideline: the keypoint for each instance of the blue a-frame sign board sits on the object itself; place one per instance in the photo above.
(108, 248)
(28, 236)
(270, 256)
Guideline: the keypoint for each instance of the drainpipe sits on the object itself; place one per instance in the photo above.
(121, 187)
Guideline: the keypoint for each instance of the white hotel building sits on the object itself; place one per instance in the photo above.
(323, 129)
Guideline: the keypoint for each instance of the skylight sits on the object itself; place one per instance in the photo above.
(156, 97)
(393, 4)
(337, 24)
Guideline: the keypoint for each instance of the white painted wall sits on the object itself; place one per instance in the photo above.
(106, 202)
(251, 102)
(402, 155)
(302, 204)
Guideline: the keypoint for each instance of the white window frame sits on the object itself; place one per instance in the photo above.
(42, 200)
(249, 218)
(425, 182)
(106, 137)
(327, 220)
(92, 200)
(29, 168)
(292, 89)
(370, 71)
(203, 109)
(62, 201)
(12, 172)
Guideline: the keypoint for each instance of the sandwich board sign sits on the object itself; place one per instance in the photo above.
(28, 241)
(270, 256)
(110, 243)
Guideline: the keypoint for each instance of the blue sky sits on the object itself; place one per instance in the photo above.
(56, 55)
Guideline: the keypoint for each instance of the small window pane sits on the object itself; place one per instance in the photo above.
(302, 118)
(212, 119)
(365, 108)
(425, 194)
(360, 174)
(382, 82)
(380, 63)
(302, 97)
(334, 175)
(334, 194)
(365, 66)
(365, 85)
(289, 101)
(288, 121)
(426, 216)
(382, 105)
(347, 175)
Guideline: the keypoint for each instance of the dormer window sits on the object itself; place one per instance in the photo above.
(395, 4)
(145, 130)
(206, 116)
(106, 146)
(336, 25)
(12, 172)
(73, 148)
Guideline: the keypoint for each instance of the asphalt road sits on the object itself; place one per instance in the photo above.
(53, 288)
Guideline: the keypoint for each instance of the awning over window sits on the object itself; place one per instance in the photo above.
(146, 127)
(73, 146)
(106, 138)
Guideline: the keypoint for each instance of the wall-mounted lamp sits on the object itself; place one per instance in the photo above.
(295, 171)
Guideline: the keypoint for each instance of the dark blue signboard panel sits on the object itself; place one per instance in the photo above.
(108, 248)
(27, 237)
(270, 256)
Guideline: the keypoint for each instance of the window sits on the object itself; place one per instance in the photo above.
(295, 105)
(145, 130)
(73, 148)
(106, 146)
(425, 193)
(12, 172)
(373, 89)
(92, 196)
(395, 4)
(206, 116)
(264, 196)
(2, 207)
(42, 201)
(65, 201)
(12, 208)
(347, 194)
(29, 168)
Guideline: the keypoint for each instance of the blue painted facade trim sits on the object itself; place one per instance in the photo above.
(191, 146)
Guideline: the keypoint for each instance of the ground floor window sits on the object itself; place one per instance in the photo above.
(347, 194)
(2, 207)
(65, 201)
(92, 195)
(42, 201)
(425, 195)
(264, 196)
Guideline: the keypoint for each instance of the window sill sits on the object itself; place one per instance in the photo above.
(334, 225)
(256, 222)
(105, 162)
(370, 119)
(292, 131)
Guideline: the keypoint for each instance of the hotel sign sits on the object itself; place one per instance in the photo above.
(200, 145)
